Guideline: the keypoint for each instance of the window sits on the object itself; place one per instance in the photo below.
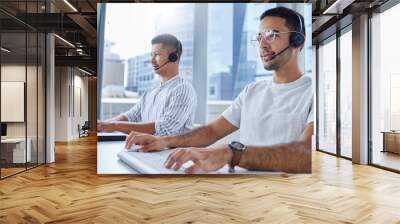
(327, 96)
(232, 61)
(127, 69)
(346, 93)
(22, 65)
(385, 87)
(335, 137)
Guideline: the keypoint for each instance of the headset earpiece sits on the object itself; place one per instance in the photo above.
(297, 38)
(173, 57)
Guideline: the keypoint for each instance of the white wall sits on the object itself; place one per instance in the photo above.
(33, 127)
(12, 73)
(71, 94)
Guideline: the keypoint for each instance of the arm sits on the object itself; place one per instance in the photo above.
(120, 117)
(292, 157)
(106, 125)
(123, 122)
(127, 127)
(202, 136)
(198, 137)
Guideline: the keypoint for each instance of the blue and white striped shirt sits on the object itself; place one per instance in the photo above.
(171, 106)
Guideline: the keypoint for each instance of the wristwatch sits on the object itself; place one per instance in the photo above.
(237, 150)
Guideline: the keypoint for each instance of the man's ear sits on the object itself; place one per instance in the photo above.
(299, 48)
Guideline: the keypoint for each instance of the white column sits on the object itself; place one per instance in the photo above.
(360, 90)
(50, 99)
(200, 61)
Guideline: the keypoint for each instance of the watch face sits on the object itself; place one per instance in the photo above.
(238, 146)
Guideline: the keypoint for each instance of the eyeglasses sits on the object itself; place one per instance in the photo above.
(268, 35)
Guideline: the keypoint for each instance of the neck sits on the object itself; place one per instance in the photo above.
(167, 75)
(287, 73)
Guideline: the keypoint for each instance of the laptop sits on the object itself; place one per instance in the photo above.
(153, 163)
(110, 136)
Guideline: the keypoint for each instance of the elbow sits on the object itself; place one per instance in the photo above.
(303, 161)
(212, 134)
(306, 155)
(167, 128)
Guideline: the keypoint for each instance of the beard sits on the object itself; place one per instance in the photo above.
(279, 61)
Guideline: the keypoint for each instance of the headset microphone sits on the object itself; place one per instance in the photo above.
(162, 65)
(280, 52)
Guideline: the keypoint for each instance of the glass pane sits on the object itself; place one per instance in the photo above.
(386, 89)
(238, 64)
(31, 98)
(41, 98)
(327, 97)
(31, 87)
(13, 85)
(127, 71)
(231, 69)
(346, 94)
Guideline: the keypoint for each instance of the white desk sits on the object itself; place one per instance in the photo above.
(107, 159)
(109, 163)
(18, 150)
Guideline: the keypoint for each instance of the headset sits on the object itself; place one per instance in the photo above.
(296, 39)
(173, 56)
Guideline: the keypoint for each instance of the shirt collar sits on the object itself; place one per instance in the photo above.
(169, 81)
(298, 82)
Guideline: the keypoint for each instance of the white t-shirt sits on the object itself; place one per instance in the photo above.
(270, 113)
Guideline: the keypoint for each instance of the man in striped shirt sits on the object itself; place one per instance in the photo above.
(167, 109)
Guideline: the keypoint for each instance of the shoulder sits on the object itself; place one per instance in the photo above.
(183, 85)
(260, 84)
(307, 80)
(257, 86)
(307, 85)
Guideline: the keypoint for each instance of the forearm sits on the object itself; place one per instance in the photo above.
(291, 158)
(199, 137)
(127, 127)
(118, 118)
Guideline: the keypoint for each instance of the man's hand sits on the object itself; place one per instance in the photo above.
(105, 126)
(204, 159)
(148, 142)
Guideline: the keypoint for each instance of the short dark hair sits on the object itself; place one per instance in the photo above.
(169, 40)
(291, 18)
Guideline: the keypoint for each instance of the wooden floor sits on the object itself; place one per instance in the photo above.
(10, 171)
(70, 191)
(387, 159)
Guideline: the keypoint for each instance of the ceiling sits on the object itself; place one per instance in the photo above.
(75, 21)
(331, 15)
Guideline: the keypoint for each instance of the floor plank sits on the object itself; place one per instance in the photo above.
(70, 191)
